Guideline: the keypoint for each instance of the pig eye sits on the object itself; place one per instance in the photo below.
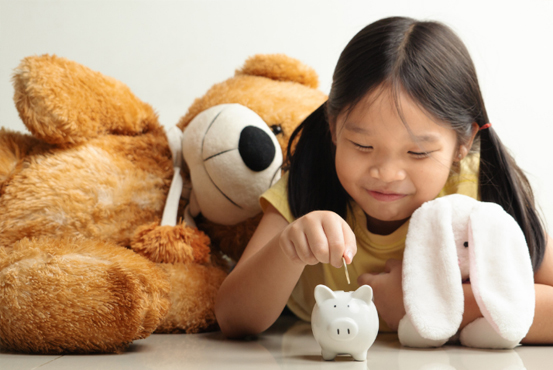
(466, 244)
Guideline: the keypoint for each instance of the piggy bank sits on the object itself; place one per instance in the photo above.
(344, 323)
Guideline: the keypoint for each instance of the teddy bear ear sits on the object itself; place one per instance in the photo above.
(279, 67)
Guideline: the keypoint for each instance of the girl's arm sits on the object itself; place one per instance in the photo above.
(255, 292)
(253, 295)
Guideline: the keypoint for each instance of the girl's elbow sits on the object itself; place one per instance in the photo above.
(233, 329)
(232, 325)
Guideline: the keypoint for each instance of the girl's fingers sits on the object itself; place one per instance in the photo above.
(334, 235)
(302, 245)
(319, 237)
(365, 279)
(317, 241)
(350, 242)
(391, 264)
(288, 248)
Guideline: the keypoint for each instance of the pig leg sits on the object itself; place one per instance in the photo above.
(328, 355)
(360, 356)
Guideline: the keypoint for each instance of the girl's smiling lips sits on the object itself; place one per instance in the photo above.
(385, 197)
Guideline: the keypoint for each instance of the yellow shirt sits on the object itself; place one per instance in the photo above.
(372, 250)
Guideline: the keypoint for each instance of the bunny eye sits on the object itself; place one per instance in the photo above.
(466, 244)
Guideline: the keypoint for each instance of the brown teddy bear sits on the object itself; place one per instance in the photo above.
(93, 180)
(71, 197)
(272, 90)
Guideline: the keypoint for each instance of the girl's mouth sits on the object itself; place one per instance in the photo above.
(385, 197)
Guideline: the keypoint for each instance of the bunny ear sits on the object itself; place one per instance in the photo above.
(501, 271)
(432, 291)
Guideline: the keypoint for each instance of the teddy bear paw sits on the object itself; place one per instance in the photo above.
(171, 244)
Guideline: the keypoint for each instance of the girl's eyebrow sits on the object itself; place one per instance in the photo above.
(428, 138)
(350, 126)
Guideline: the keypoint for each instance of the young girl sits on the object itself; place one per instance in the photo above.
(404, 123)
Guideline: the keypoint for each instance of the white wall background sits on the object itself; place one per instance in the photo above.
(170, 52)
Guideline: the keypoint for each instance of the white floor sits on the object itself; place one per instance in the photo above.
(289, 344)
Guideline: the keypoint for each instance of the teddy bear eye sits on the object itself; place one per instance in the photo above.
(466, 244)
(277, 129)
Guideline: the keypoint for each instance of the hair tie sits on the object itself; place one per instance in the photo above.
(483, 127)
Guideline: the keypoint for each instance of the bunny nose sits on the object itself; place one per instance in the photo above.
(256, 148)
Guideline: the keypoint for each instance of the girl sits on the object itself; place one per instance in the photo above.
(405, 122)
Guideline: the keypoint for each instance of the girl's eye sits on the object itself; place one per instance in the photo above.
(420, 155)
(362, 148)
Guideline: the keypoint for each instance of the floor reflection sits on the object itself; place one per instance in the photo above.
(298, 349)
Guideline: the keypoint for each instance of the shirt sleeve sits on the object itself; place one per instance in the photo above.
(277, 196)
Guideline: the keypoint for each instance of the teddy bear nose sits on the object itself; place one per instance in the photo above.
(256, 148)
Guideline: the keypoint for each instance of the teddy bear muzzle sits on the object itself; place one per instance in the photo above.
(233, 158)
(256, 148)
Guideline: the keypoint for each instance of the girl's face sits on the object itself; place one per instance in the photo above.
(387, 170)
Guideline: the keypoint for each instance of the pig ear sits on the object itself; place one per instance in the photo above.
(501, 271)
(322, 293)
(432, 291)
(364, 293)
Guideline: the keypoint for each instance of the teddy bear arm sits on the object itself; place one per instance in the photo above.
(65, 103)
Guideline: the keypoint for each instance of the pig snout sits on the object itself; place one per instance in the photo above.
(343, 329)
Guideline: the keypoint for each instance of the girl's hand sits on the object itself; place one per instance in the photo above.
(387, 292)
(319, 236)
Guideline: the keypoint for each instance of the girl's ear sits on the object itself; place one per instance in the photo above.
(465, 148)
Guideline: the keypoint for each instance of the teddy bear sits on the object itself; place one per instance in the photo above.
(273, 90)
(85, 265)
(72, 195)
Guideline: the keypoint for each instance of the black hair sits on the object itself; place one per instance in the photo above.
(428, 62)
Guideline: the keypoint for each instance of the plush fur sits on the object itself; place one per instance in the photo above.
(77, 295)
(166, 244)
(453, 239)
(97, 166)
(283, 92)
(91, 182)
(72, 196)
(202, 283)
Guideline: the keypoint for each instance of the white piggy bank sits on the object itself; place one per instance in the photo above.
(344, 322)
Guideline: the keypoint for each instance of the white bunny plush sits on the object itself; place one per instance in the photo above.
(454, 239)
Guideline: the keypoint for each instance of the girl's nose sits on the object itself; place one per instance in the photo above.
(387, 171)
